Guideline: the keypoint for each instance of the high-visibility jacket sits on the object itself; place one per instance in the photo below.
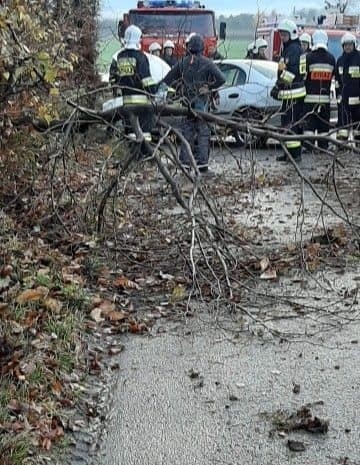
(320, 69)
(291, 71)
(131, 71)
(347, 78)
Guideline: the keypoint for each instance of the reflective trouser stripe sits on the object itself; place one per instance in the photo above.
(342, 134)
(354, 101)
(292, 93)
(135, 100)
(292, 144)
(147, 136)
(313, 98)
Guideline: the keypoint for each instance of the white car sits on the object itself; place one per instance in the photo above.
(247, 87)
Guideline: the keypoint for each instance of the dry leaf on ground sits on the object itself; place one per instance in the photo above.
(125, 283)
(32, 295)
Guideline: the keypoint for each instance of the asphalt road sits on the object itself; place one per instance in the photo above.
(201, 391)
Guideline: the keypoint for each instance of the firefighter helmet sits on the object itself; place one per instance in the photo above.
(289, 26)
(259, 43)
(154, 46)
(305, 37)
(132, 38)
(169, 44)
(320, 39)
(251, 46)
(348, 38)
(196, 44)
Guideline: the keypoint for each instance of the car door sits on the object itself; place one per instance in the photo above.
(231, 94)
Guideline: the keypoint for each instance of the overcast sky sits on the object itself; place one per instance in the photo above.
(112, 8)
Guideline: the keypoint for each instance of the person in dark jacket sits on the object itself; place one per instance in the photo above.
(320, 69)
(131, 73)
(347, 82)
(290, 88)
(194, 77)
(168, 53)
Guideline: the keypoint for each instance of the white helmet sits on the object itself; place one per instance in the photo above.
(305, 37)
(348, 37)
(320, 39)
(289, 26)
(154, 46)
(251, 46)
(169, 44)
(132, 38)
(259, 43)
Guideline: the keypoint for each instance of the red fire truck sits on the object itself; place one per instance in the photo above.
(335, 25)
(161, 20)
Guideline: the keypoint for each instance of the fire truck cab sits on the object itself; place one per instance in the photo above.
(161, 20)
(335, 26)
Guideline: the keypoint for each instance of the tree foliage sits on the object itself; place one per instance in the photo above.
(45, 47)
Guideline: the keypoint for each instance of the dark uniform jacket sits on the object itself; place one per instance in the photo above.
(191, 74)
(292, 77)
(347, 78)
(131, 71)
(320, 69)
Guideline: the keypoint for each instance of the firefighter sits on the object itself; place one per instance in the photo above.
(347, 82)
(155, 49)
(320, 69)
(168, 53)
(305, 41)
(131, 72)
(260, 47)
(290, 88)
(250, 51)
(194, 78)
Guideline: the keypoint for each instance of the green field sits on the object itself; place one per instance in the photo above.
(231, 48)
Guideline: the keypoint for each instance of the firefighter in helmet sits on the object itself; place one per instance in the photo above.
(347, 82)
(260, 49)
(305, 41)
(320, 69)
(194, 78)
(155, 49)
(250, 50)
(290, 88)
(168, 53)
(131, 73)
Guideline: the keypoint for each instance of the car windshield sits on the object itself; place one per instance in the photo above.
(268, 71)
(170, 24)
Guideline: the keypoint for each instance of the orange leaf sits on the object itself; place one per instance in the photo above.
(117, 316)
(32, 295)
(56, 387)
(125, 283)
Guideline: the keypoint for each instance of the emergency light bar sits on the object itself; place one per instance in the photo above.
(168, 3)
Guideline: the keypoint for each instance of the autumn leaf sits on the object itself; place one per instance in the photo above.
(32, 295)
(125, 283)
(178, 293)
(117, 316)
(96, 315)
(53, 305)
(269, 274)
(56, 387)
(264, 264)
